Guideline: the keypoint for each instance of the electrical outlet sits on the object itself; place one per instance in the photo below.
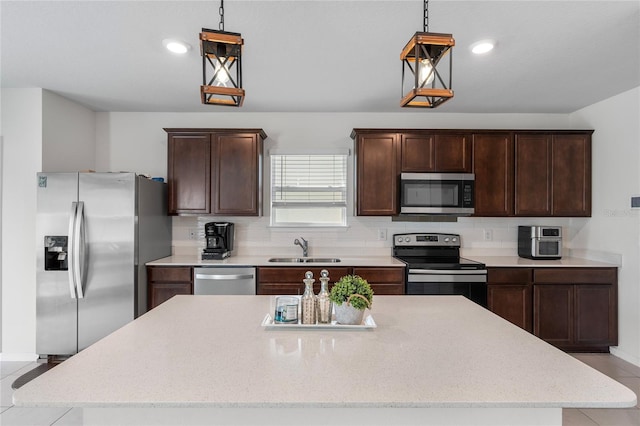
(488, 235)
(193, 233)
(382, 234)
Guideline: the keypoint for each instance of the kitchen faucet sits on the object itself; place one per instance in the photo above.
(304, 244)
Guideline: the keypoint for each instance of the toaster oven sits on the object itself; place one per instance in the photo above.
(540, 242)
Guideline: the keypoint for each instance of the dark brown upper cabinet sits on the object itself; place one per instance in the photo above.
(571, 175)
(382, 154)
(553, 174)
(215, 171)
(436, 152)
(532, 173)
(517, 172)
(377, 173)
(493, 165)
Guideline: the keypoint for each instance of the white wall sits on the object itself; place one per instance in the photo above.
(22, 157)
(614, 226)
(68, 135)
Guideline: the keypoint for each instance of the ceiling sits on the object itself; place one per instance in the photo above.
(322, 56)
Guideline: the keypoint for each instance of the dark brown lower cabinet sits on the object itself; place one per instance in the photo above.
(509, 295)
(166, 282)
(288, 280)
(576, 309)
(383, 280)
(553, 309)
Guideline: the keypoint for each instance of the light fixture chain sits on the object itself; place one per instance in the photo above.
(425, 24)
(221, 12)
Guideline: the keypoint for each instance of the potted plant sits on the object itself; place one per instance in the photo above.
(351, 295)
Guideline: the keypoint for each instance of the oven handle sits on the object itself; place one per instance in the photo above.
(448, 272)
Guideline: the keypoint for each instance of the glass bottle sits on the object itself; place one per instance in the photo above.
(308, 300)
(324, 303)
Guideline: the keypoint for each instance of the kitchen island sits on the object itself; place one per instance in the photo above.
(430, 360)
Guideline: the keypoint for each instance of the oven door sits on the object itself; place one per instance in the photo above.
(437, 193)
(471, 284)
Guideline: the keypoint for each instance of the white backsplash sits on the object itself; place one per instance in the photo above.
(254, 236)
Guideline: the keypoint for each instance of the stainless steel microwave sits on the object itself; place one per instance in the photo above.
(437, 193)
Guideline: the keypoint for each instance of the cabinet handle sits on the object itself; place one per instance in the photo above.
(223, 277)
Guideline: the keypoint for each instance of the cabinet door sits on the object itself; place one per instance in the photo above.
(509, 295)
(511, 302)
(594, 312)
(166, 282)
(452, 153)
(596, 316)
(383, 280)
(377, 175)
(553, 315)
(189, 173)
(161, 292)
(236, 160)
(571, 172)
(532, 174)
(417, 153)
(436, 152)
(493, 165)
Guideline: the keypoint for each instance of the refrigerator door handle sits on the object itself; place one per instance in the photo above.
(72, 250)
(80, 242)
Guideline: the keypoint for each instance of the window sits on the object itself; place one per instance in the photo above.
(308, 190)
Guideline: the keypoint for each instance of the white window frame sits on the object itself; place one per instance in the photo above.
(276, 205)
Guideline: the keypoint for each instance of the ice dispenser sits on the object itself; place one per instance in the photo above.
(55, 253)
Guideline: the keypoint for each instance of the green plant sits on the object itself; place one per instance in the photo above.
(352, 285)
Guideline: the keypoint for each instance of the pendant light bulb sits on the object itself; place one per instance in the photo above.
(222, 73)
(425, 74)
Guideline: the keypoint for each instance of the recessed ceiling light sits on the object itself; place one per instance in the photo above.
(176, 46)
(482, 46)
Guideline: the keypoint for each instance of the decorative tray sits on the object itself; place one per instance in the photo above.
(367, 323)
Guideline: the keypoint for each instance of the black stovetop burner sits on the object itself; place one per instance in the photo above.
(432, 251)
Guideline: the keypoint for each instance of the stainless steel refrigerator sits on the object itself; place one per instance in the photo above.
(95, 232)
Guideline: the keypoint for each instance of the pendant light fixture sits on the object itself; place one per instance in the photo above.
(221, 65)
(426, 85)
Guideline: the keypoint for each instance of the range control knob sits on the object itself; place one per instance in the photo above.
(454, 239)
(446, 240)
(399, 239)
(407, 239)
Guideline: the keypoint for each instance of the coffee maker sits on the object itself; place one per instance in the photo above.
(219, 236)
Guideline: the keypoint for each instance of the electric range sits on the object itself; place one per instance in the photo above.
(434, 266)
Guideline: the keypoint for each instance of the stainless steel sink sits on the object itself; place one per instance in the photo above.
(304, 260)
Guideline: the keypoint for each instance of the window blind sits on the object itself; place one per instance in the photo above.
(308, 181)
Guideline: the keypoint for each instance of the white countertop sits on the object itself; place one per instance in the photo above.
(380, 261)
(516, 261)
(195, 260)
(427, 351)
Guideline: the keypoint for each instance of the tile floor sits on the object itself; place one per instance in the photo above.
(622, 371)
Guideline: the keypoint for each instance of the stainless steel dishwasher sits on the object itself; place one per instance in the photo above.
(224, 280)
